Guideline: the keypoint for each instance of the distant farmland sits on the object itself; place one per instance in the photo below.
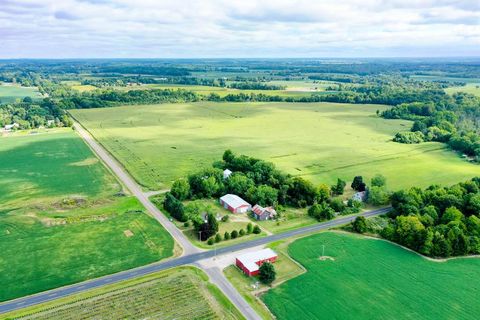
(321, 142)
(180, 293)
(374, 279)
(11, 93)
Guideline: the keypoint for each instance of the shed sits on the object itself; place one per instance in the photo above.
(250, 262)
(235, 204)
(226, 174)
(261, 213)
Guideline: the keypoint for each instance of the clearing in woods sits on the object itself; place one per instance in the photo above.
(374, 279)
(319, 141)
(11, 92)
(180, 293)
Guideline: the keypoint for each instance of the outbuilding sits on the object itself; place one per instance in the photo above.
(250, 262)
(235, 204)
(260, 213)
(226, 174)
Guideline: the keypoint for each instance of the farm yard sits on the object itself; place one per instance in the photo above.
(320, 142)
(11, 92)
(180, 293)
(365, 278)
(63, 218)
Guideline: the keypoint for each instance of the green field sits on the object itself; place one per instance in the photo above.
(11, 93)
(49, 166)
(60, 222)
(374, 279)
(322, 141)
(472, 88)
(180, 293)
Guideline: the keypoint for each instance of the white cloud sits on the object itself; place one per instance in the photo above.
(238, 28)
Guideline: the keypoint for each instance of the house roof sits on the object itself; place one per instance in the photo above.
(250, 259)
(234, 201)
(259, 210)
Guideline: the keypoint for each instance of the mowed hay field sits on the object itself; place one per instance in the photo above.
(11, 93)
(321, 142)
(60, 221)
(374, 279)
(49, 165)
(180, 293)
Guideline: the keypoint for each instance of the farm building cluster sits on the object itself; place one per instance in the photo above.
(236, 204)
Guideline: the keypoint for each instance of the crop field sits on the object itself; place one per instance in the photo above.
(365, 278)
(180, 293)
(60, 222)
(49, 166)
(10, 93)
(45, 249)
(321, 142)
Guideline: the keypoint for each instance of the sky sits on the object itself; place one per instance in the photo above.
(238, 28)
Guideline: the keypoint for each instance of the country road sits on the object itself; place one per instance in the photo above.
(191, 255)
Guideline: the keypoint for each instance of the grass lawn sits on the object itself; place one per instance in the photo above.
(374, 279)
(50, 248)
(472, 88)
(179, 293)
(49, 166)
(12, 92)
(250, 287)
(321, 142)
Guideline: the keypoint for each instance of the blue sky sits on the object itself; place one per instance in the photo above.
(234, 28)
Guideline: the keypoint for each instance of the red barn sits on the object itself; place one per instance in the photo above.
(235, 204)
(250, 262)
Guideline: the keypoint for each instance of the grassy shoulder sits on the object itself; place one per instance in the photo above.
(250, 287)
(183, 292)
(359, 278)
(58, 246)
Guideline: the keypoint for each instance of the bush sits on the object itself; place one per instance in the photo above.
(360, 224)
(210, 241)
(409, 137)
(186, 224)
(379, 181)
(257, 230)
(337, 205)
(174, 207)
(226, 236)
(234, 234)
(242, 232)
(378, 196)
(249, 228)
(321, 212)
(218, 238)
(225, 218)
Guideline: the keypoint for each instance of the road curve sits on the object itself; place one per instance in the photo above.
(189, 259)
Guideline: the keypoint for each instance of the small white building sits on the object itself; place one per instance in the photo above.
(10, 127)
(360, 196)
(226, 174)
(235, 204)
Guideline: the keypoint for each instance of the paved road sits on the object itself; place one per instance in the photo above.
(189, 259)
(190, 255)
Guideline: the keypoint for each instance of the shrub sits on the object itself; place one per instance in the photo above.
(409, 137)
(337, 205)
(242, 232)
(256, 229)
(249, 228)
(226, 236)
(186, 224)
(218, 237)
(321, 212)
(225, 218)
(234, 234)
(180, 189)
(174, 207)
(360, 224)
(210, 241)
